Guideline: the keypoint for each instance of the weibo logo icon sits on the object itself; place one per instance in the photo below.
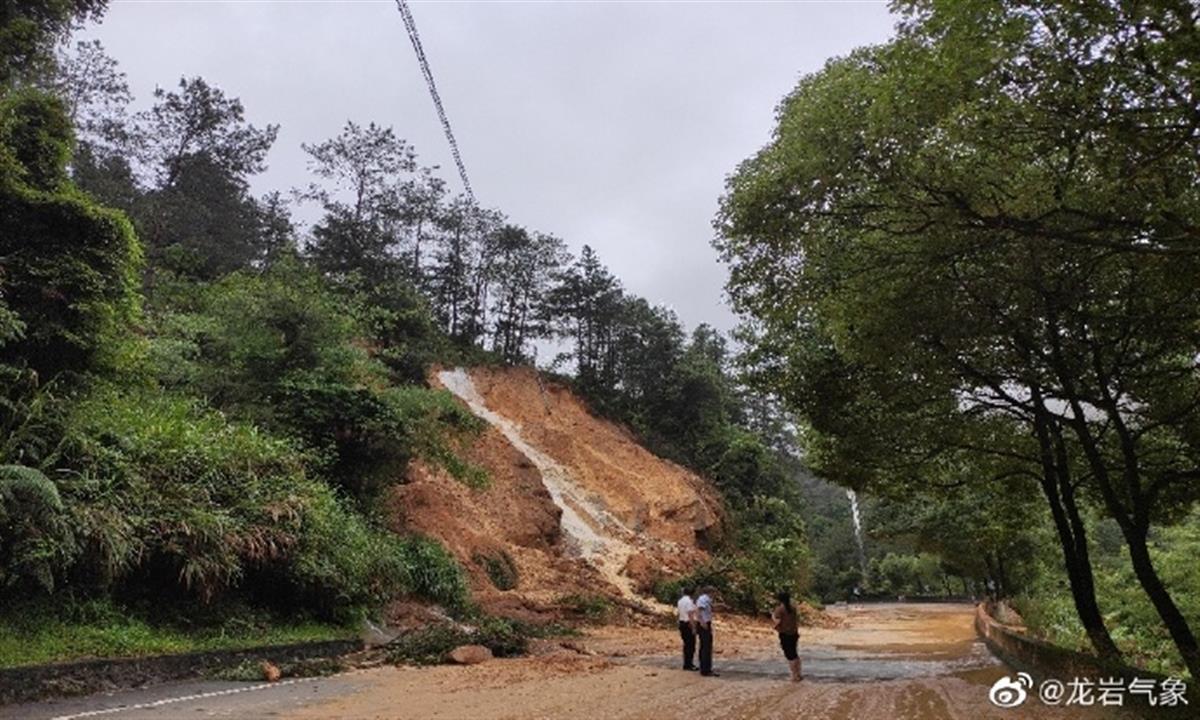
(1008, 692)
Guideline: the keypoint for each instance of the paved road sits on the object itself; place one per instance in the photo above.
(191, 699)
(898, 662)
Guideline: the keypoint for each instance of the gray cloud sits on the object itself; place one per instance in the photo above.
(611, 124)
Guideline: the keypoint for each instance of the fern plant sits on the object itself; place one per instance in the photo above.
(28, 486)
(35, 538)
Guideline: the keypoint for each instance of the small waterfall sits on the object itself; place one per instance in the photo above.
(858, 532)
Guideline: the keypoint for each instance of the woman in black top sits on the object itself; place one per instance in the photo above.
(787, 624)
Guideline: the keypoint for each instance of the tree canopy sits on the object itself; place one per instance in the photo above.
(991, 221)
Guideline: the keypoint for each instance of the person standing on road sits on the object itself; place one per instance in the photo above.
(686, 608)
(704, 628)
(787, 624)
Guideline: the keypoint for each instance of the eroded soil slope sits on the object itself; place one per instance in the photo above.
(576, 504)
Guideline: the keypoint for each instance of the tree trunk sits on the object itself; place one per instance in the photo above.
(1082, 581)
(1133, 518)
(1177, 625)
(1002, 590)
(1072, 535)
(1139, 527)
(1134, 527)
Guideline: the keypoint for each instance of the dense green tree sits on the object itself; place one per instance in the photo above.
(69, 267)
(29, 29)
(586, 304)
(97, 98)
(955, 212)
(200, 121)
(198, 216)
(459, 275)
(204, 224)
(523, 268)
(400, 324)
(984, 530)
(648, 343)
(109, 178)
(421, 201)
(361, 170)
(276, 232)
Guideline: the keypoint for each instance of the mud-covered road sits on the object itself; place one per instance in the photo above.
(894, 662)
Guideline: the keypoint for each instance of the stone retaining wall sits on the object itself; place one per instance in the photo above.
(35, 682)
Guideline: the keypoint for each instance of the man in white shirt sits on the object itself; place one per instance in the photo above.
(704, 618)
(687, 627)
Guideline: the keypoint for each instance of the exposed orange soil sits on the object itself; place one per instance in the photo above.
(647, 493)
(668, 510)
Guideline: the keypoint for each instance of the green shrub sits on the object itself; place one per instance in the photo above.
(500, 569)
(41, 630)
(429, 645)
(252, 670)
(175, 494)
(286, 352)
(767, 552)
(720, 574)
(504, 637)
(589, 608)
(342, 565)
(345, 564)
(432, 425)
(434, 574)
(1049, 611)
(771, 553)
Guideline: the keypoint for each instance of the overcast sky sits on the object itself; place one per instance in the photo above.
(609, 124)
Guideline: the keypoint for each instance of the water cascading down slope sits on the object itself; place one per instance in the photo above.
(592, 532)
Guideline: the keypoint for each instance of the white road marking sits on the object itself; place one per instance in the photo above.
(197, 696)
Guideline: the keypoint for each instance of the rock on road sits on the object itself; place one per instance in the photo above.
(897, 662)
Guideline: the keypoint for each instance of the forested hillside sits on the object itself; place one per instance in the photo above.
(205, 402)
(965, 263)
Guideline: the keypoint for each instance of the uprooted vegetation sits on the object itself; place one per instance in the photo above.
(432, 644)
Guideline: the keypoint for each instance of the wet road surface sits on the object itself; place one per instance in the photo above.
(897, 662)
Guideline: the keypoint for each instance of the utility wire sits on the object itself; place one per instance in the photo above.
(411, 26)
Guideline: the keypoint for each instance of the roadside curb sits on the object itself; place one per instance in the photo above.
(38, 682)
(1044, 661)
